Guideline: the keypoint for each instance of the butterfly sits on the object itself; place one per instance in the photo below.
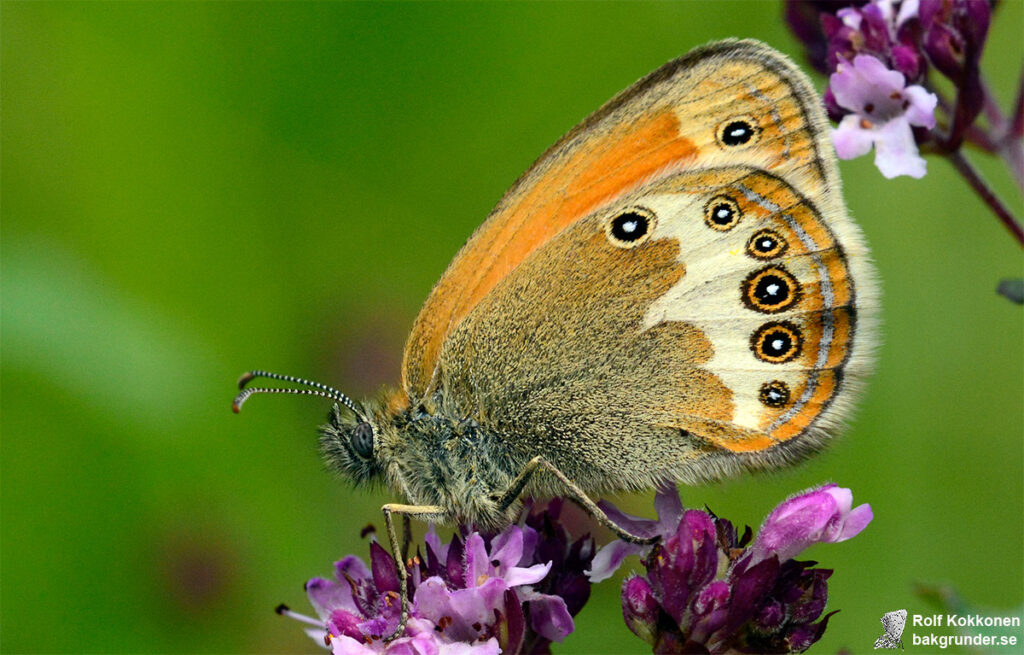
(893, 623)
(672, 292)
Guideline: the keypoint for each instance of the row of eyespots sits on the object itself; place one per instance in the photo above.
(769, 290)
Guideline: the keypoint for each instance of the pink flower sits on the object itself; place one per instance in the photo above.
(882, 110)
(823, 515)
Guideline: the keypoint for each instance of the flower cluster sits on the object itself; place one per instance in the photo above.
(710, 590)
(707, 589)
(513, 592)
(881, 56)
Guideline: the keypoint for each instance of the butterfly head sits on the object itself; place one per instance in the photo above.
(350, 439)
(351, 444)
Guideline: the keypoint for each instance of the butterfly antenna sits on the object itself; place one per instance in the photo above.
(322, 390)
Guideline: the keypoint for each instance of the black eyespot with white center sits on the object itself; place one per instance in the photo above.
(776, 343)
(631, 227)
(770, 290)
(722, 213)
(361, 440)
(737, 132)
(774, 393)
(766, 244)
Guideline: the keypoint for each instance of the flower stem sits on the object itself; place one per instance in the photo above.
(1012, 152)
(991, 108)
(970, 174)
(1017, 118)
(1012, 148)
(979, 137)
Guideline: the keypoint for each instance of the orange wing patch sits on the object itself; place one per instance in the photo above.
(599, 170)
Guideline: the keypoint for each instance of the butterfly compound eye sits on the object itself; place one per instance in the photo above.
(362, 440)
(631, 228)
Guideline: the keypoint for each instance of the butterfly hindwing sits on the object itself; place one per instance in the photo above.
(595, 344)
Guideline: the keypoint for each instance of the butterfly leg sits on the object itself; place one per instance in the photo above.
(403, 574)
(406, 536)
(576, 494)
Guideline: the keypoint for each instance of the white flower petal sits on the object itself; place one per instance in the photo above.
(887, 11)
(342, 645)
(895, 151)
(489, 647)
(921, 110)
(851, 139)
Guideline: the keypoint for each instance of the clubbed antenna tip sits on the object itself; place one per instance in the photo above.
(318, 389)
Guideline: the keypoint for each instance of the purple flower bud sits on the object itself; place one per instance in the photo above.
(887, 30)
(874, 26)
(954, 36)
(684, 563)
(907, 61)
(710, 611)
(752, 584)
(804, 18)
(946, 49)
(820, 515)
(803, 637)
(640, 608)
(809, 605)
(385, 578)
(954, 33)
(770, 616)
(835, 112)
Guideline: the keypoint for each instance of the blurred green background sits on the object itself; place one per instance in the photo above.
(191, 190)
